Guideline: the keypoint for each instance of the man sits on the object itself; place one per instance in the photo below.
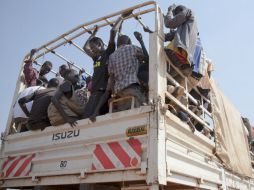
(204, 84)
(32, 76)
(123, 69)
(38, 116)
(61, 72)
(80, 89)
(94, 47)
(183, 36)
(19, 117)
(143, 71)
(65, 106)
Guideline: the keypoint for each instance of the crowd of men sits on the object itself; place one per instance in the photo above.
(120, 70)
(63, 100)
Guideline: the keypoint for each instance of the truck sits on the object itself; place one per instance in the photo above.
(147, 147)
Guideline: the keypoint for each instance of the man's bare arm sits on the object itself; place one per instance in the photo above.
(22, 103)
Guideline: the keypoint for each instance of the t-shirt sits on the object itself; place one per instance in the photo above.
(100, 73)
(17, 111)
(123, 66)
(30, 73)
(82, 95)
(42, 99)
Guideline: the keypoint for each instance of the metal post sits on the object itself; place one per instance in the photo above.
(157, 167)
(187, 91)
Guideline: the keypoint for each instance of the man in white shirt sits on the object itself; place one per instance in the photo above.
(19, 117)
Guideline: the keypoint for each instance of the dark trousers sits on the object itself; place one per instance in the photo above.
(92, 104)
(39, 124)
(133, 90)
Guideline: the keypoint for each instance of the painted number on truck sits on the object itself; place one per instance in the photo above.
(63, 164)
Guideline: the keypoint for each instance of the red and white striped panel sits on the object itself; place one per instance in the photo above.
(117, 155)
(18, 166)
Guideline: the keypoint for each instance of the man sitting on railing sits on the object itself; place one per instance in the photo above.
(19, 117)
(183, 36)
(123, 69)
(32, 76)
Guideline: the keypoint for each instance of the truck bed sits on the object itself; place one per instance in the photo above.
(115, 143)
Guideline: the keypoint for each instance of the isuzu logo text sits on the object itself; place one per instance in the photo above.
(65, 135)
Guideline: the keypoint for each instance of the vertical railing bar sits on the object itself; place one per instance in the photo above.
(187, 92)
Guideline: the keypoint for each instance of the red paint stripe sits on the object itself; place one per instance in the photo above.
(120, 153)
(135, 145)
(7, 161)
(24, 165)
(13, 165)
(93, 167)
(103, 158)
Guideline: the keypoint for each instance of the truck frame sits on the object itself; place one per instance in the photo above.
(136, 149)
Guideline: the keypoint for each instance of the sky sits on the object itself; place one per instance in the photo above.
(225, 27)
